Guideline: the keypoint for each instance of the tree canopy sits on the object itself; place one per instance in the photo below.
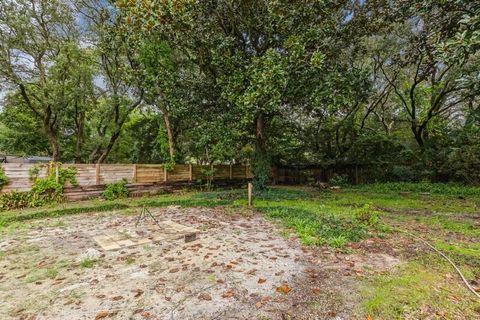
(391, 85)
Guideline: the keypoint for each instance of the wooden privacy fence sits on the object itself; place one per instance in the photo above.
(101, 174)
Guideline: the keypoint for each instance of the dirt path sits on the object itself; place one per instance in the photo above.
(238, 268)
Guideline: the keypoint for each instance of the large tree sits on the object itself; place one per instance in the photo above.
(38, 44)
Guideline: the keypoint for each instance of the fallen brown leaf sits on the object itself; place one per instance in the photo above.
(316, 290)
(262, 302)
(104, 314)
(284, 289)
(138, 293)
(261, 280)
(205, 296)
(228, 294)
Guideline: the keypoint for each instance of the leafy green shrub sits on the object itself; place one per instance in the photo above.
(116, 190)
(208, 174)
(403, 173)
(339, 180)
(3, 178)
(50, 188)
(44, 190)
(15, 200)
(367, 215)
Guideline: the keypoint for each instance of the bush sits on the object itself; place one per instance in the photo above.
(116, 190)
(339, 180)
(208, 174)
(15, 200)
(3, 178)
(367, 215)
(44, 190)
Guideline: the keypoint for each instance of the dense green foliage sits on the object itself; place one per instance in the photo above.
(116, 190)
(391, 86)
(3, 179)
(44, 190)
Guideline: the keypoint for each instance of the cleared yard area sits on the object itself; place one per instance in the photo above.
(298, 254)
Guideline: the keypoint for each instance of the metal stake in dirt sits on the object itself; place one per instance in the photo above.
(250, 191)
(143, 215)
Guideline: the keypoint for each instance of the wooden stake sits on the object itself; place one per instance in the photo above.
(165, 174)
(134, 178)
(250, 191)
(231, 172)
(190, 172)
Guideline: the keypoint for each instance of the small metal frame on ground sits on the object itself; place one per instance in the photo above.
(144, 214)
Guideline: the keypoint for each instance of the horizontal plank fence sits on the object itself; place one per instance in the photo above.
(93, 177)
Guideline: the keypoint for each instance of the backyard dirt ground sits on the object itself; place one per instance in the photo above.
(241, 266)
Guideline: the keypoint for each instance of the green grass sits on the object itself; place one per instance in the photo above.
(419, 290)
(88, 263)
(447, 218)
(316, 228)
(10, 217)
(449, 189)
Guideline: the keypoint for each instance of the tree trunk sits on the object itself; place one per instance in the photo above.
(168, 127)
(49, 127)
(80, 123)
(417, 132)
(261, 162)
(52, 138)
(109, 147)
(260, 131)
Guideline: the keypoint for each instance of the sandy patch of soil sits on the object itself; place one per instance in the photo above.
(238, 268)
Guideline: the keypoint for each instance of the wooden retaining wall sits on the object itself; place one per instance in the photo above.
(91, 175)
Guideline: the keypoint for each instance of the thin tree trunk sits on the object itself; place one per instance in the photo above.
(52, 139)
(49, 128)
(80, 131)
(109, 147)
(168, 127)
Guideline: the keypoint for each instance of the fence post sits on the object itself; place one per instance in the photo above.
(190, 172)
(165, 174)
(97, 173)
(134, 178)
(231, 173)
